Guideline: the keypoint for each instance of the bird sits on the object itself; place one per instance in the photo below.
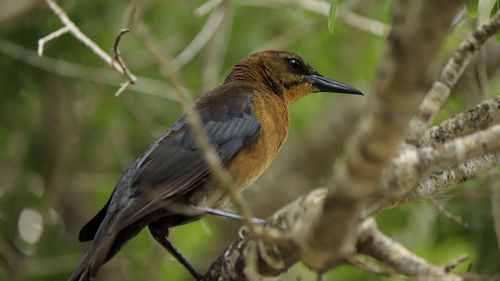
(246, 121)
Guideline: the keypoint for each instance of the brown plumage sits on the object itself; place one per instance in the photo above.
(245, 119)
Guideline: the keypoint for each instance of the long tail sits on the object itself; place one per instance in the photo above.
(107, 242)
(82, 272)
(102, 249)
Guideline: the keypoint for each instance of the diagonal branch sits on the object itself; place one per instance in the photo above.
(418, 28)
(412, 164)
(477, 118)
(322, 8)
(376, 244)
(64, 68)
(454, 68)
(450, 177)
(70, 27)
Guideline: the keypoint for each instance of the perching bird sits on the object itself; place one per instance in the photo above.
(246, 121)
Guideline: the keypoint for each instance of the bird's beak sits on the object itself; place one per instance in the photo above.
(323, 84)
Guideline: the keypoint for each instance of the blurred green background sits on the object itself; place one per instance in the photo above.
(65, 139)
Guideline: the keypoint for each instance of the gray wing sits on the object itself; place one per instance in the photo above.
(173, 164)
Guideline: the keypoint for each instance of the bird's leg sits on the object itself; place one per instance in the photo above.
(225, 214)
(160, 234)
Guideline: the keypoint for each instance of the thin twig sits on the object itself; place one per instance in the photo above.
(207, 7)
(446, 213)
(322, 8)
(122, 88)
(200, 40)
(118, 58)
(78, 34)
(55, 34)
(217, 49)
(103, 76)
(450, 266)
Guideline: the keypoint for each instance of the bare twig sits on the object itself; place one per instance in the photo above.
(53, 35)
(216, 50)
(322, 8)
(446, 213)
(130, 78)
(122, 88)
(118, 56)
(133, 12)
(103, 76)
(450, 266)
(76, 32)
(207, 7)
(201, 39)
(454, 68)
(363, 23)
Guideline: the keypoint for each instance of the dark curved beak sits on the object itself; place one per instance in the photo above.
(323, 84)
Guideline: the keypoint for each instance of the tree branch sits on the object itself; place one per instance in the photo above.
(418, 30)
(376, 244)
(454, 68)
(322, 8)
(78, 34)
(477, 118)
(103, 76)
(414, 163)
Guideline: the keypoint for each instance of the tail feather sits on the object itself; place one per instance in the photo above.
(97, 255)
(83, 271)
(107, 242)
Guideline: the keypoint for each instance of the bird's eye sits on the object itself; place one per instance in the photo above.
(295, 64)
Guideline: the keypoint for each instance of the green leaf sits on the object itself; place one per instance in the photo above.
(331, 17)
(495, 8)
(472, 7)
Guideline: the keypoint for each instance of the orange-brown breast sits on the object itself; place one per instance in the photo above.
(272, 114)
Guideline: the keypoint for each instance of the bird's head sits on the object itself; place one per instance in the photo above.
(285, 74)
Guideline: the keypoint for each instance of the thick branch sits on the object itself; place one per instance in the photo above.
(477, 118)
(443, 180)
(439, 181)
(412, 164)
(418, 29)
(252, 259)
